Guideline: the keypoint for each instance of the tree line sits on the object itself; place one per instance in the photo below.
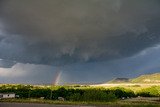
(71, 94)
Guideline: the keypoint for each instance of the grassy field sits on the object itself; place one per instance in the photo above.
(132, 86)
(136, 102)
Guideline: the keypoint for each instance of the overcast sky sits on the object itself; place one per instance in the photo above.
(89, 41)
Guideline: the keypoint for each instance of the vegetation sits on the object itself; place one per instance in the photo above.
(83, 94)
(74, 93)
(68, 93)
(120, 103)
(153, 91)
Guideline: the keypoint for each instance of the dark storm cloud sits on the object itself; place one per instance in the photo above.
(6, 64)
(66, 31)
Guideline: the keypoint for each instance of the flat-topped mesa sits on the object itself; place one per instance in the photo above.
(119, 80)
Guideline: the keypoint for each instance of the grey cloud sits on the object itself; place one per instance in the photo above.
(6, 63)
(28, 74)
(61, 32)
(95, 72)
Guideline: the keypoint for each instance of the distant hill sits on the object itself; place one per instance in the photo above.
(148, 78)
(120, 80)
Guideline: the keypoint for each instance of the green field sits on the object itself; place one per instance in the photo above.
(136, 102)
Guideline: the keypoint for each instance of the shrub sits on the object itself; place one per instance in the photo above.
(75, 97)
(122, 92)
(153, 91)
(98, 95)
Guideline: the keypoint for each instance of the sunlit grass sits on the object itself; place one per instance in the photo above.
(122, 103)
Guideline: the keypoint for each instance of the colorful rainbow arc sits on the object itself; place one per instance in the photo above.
(57, 78)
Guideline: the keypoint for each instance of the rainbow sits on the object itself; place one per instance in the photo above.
(57, 77)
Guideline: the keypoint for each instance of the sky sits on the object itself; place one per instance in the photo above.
(78, 41)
